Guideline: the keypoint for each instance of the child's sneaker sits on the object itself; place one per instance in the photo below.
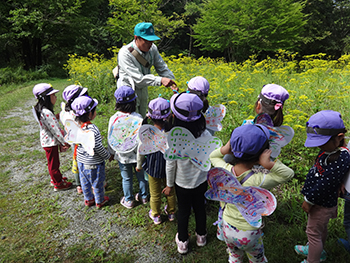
(62, 186)
(201, 240)
(141, 200)
(127, 204)
(156, 219)
(345, 244)
(106, 199)
(63, 178)
(90, 202)
(182, 247)
(171, 217)
(304, 251)
(79, 189)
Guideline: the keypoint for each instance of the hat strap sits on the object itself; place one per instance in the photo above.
(89, 107)
(127, 98)
(75, 95)
(268, 101)
(162, 112)
(198, 92)
(44, 93)
(185, 112)
(320, 131)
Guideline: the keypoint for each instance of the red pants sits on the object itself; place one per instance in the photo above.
(53, 164)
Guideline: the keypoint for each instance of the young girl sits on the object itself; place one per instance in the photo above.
(249, 145)
(69, 94)
(154, 163)
(200, 86)
(126, 105)
(189, 181)
(325, 130)
(91, 168)
(269, 110)
(51, 134)
(271, 100)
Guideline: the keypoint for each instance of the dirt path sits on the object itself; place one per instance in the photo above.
(89, 226)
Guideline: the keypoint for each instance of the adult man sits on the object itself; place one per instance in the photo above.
(135, 61)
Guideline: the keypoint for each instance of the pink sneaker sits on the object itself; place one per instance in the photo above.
(141, 200)
(201, 240)
(182, 247)
(126, 204)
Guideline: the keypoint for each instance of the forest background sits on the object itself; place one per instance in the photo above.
(39, 35)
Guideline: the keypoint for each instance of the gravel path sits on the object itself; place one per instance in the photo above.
(93, 230)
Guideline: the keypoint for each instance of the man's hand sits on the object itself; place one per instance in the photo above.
(166, 82)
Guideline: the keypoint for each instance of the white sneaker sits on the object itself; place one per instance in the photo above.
(201, 240)
(182, 247)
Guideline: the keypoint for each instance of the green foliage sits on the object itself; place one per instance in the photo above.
(245, 27)
(95, 73)
(19, 75)
(127, 13)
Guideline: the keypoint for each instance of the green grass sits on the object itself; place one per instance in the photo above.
(30, 215)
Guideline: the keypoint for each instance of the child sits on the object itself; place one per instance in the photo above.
(51, 134)
(69, 94)
(126, 105)
(200, 86)
(154, 163)
(271, 100)
(249, 145)
(325, 130)
(269, 110)
(91, 168)
(190, 182)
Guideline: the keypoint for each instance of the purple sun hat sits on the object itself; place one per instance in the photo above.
(274, 94)
(248, 140)
(43, 89)
(124, 94)
(322, 126)
(72, 92)
(186, 106)
(83, 104)
(158, 108)
(199, 83)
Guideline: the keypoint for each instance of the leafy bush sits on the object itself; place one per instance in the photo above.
(95, 73)
(314, 83)
(19, 75)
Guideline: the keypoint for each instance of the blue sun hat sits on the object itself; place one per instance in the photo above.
(146, 31)
(83, 104)
(248, 140)
(322, 126)
(124, 94)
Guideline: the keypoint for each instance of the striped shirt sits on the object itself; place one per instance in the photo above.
(100, 153)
